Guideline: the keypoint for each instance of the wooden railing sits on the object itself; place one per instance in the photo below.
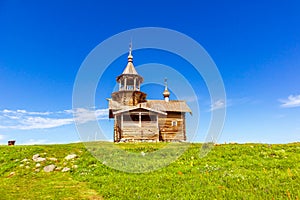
(136, 124)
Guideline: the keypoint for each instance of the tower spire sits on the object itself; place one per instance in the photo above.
(130, 57)
(166, 92)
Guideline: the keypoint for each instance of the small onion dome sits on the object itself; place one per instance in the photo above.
(130, 57)
(166, 93)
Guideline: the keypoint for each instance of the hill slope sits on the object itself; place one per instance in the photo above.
(231, 171)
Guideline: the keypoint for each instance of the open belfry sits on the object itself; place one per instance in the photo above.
(139, 119)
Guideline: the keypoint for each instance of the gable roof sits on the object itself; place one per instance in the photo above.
(137, 107)
(170, 106)
(157, 105)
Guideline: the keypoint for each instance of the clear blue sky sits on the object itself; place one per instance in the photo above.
(255, 44)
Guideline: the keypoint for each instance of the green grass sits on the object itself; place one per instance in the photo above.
(231, 171)
(26, 183)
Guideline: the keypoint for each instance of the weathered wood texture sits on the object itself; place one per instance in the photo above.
(137, 134)
(137, 118)
(11, 142)
(129, 98)
(170, 128)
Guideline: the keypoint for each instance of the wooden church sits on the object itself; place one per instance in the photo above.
(139, 119)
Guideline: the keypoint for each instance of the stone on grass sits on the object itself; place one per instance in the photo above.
(53, 159)
(11, 174)
(40, 159)
(57, 168)
(37, 158)
(65, 169)
(71, 156)
(38, 165)
(24, 160)
(75, 166)
(49, 168)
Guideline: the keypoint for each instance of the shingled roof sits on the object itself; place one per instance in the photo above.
(130, 69)
(159, 105)
(136, 108)
(171, 106)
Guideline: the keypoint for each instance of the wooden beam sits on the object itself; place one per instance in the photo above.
(140, 119)
(122, 121)
(125, 83)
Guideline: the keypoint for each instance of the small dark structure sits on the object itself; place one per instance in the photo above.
(139, 119)
(11, 142)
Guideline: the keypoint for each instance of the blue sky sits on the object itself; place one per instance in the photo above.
(255, 45)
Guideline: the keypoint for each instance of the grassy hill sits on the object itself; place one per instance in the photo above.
(231, 171)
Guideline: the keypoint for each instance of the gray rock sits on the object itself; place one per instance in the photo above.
(25, 160)
(49, 168)
(53, 159)
(71, 156)
(57, 168)
(65, 169)
(37, 158)
(11, 174)
(37, 165)
(40, 159)
(75, 166)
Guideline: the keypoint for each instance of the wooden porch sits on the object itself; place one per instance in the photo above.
(137, 125)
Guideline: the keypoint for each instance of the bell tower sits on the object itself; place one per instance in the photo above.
(129, 81)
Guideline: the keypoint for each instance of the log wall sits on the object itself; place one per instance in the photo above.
(167, 131)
